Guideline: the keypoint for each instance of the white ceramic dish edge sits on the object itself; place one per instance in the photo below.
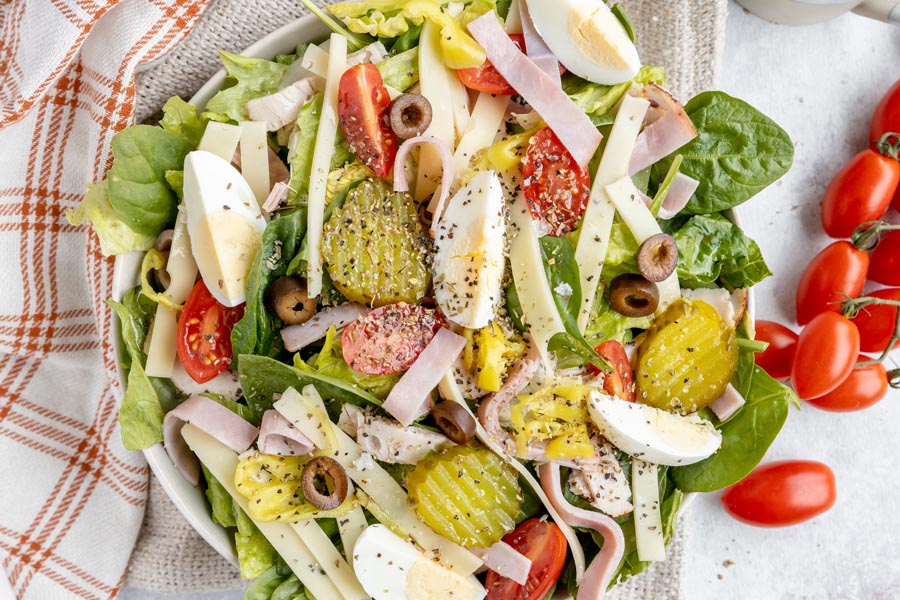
(190, 500)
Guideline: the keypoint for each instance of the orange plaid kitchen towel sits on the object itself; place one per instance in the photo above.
(72, 498)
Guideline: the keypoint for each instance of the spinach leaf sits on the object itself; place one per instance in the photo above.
(115, 236)
(738, 151)
(180, 118)
(263, 377)
(711, 249)
(745, 437)
(248, 78)
(514, 307)
(257, 331)
(608, 324)
(558, 256)
(137, 186)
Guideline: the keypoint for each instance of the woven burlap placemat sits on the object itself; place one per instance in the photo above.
(685, 36)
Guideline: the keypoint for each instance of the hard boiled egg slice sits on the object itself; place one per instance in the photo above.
(653, 435)
(469, 263)
(587, 39)
(390, 568)
(224, 222)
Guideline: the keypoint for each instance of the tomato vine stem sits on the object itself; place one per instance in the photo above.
(867, 235)
(851, 307)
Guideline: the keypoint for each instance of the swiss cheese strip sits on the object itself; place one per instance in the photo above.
(222, 462)
(321, 163)
(648, 532)
(315, 60)
(221, 139)
(449, 390)
(637, 216)
(435, 86)
(383, 489)
(331, 561)
(485, 122)
(350, 527)
(255, 158)
(593, 241)
(538, 307)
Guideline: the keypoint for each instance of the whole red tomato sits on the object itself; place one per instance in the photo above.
(203, 335)
(876, 322)
(555, 186)
(837, 270)
(884, 266)
(363, 103)
(781, 493)
(775, 360)
(886, 120)
(826, 354)
(620, 382)
(860, 192)
(863, 387)
(542, 542)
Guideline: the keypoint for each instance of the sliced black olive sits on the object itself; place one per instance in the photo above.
(633, 295)
(324, 483)
(287, 298)
(410, 115)
(454, 420)
(657, 257)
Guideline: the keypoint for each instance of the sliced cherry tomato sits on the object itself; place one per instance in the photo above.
(863, 387)
(363, 103)
(555, 186)
(826, 354)
(619, 383)
(837, 270)
(390, 338)
(781, 493)
(204, 334)
(542, 542)
(885, 260)
(776, 360)
(876, 322)
(486, 78)
(860, 192)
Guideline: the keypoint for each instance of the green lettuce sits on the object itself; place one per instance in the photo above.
(115, 236)
(401, 71)
(597, 100)
(255, 554)
(712, 249)
(181, 119)
(330, 361)
(248, 78)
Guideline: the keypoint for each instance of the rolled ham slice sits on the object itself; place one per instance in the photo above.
(411, 397)
(506, 561)
(296, 337)
(570, 124)
(212, 418)
(436, 206)
(278, 195)
(599, 573)
(661, 138)
(278, 436)
(728, 403)
(680, 192)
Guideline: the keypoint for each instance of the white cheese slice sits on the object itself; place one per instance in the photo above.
(434, 84)
(315, 60)
(221, 139)
(222, 462)
(485, 122)
(648, 531)
(383, 489)
(538, 307)
(321, 163)
(350, 527)
(459, 97)
(331, 561)
(449, 390)
(637, 216)
(255, 158)
(593, 241)
(513, 22)
(314, 421)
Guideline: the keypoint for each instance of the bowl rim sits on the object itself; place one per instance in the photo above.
(190, 500)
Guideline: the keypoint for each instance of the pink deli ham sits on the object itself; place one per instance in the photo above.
(278, 195)
(299, 336)
(278, 436)
(570, 124)
(727, 404)
(680, 192)
(506, 561)
(436, 206)
(598, 575)
(411, 397)
(536, 48)
(211, 417)
(660, 139)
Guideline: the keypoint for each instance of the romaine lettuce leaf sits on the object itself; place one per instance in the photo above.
(330, 361)
(248, 78)
(181, 119)
(255, 554)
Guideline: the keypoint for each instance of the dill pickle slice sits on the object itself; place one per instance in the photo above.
(686, 359)
(375, 248)
(466, 494)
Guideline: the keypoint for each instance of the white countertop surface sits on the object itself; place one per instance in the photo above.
(820, 83)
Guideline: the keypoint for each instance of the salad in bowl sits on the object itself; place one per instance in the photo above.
(451, 303)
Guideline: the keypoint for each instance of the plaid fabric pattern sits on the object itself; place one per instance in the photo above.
(73, 497)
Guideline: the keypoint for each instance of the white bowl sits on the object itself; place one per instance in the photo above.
(190, 500)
